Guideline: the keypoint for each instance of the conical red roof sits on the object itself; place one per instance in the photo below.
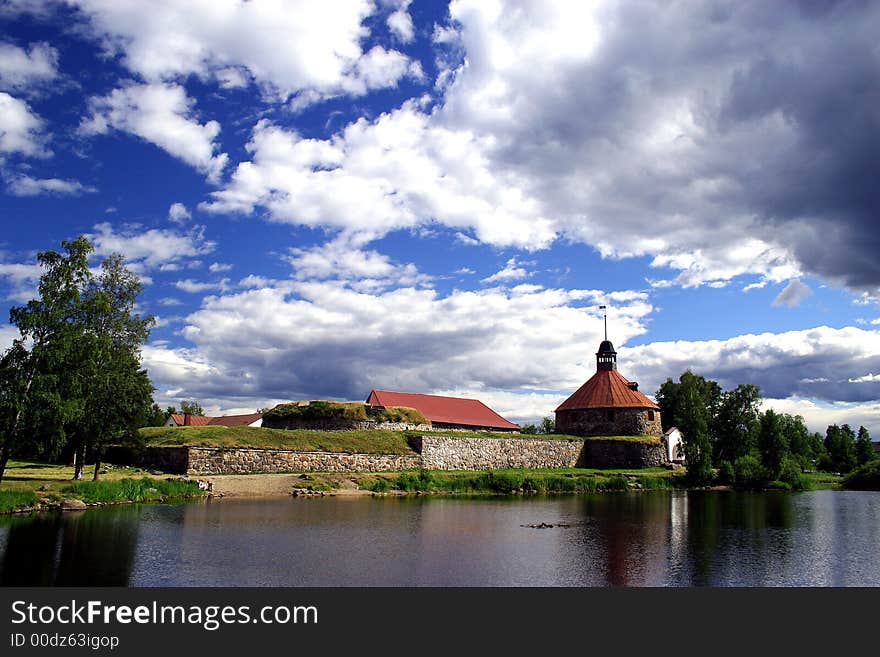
(607, 389)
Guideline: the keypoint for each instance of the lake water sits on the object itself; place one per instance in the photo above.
(817, 538)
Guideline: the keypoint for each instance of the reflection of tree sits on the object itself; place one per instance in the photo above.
(738, 538)
(91, 548)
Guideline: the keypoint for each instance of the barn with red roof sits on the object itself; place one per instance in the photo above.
(445, 412)
(607, 404)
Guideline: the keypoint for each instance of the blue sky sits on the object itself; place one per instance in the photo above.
(323, 198)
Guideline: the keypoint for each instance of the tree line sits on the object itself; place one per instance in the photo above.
(72, 382)
(726, 430)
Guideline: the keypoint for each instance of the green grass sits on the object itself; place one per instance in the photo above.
(25, 482)
(516, 481)
(366, 441)
(823, 480)
(10, 499)
(320, 409)
(144, 489)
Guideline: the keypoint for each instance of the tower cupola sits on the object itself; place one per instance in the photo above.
(606, 357)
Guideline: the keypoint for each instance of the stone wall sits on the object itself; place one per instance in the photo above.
(339, 424)
(453, 453)
(609, 422)
(166, 459)
(622, 454)
(433, 452)
(205, 461)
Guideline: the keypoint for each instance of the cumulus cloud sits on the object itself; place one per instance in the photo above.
(288, 48)
(21, 70)
(21, 130)
(195, 287)
(178, 213)
(284, 340)
(21, 280)
(793, 294)
(341, 259)
(398, 172)
(161, 114)
(7, 335)
(148, 249)
(24, 185)
(562, 121)
(400, 22)
(820, 363)
(818, 415)
(511, 272)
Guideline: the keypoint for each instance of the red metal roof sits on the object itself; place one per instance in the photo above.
(448, 410)
(235, 420)
(191, 420)
(224, 421)
(607, 389)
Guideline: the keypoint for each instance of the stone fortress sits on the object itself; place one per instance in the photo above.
(608, 405)
(606, 423)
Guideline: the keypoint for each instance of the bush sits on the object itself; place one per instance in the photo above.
(791, 474)
(749, 473)
(324, 410)
(408, 481)
(866, 477)
(726, 474)
(379, 485)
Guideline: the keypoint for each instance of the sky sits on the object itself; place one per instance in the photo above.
(325, 198)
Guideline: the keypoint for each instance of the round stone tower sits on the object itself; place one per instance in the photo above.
(608, 405)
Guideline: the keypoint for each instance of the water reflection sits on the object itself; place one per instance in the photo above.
(74, 549)
(821, 538)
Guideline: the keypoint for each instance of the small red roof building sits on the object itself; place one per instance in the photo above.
(607, 404)
(445, 412)
(607, 388)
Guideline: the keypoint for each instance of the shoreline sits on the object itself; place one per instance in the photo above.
(43, 492)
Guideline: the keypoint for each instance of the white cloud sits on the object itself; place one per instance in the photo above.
(170, 301)
(399, 172)
(867, 378)
(815, 363)
(561, 121)
(341, 259)
(22, 69)
(151, 248)
(20, 129)
(819, 415)
(21, 280)
(7, 335)
(161, 114)
(178, 213)
(24, 185)
(525, 341)
(217, 267)
(195, 287)
(400, 22)
(511, 272)
(289, 47)
(793, 294)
